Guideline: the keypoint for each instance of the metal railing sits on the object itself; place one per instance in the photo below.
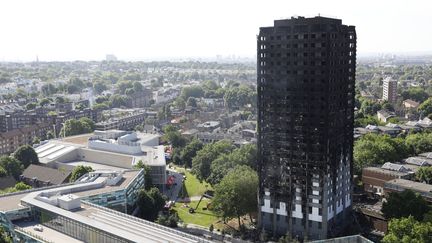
(158, 226)
(31, 235)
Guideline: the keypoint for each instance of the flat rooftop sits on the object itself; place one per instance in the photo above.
(47, 233)
(120, 224)
(385, 171)
(128, 176)
(95, 166)
(81, 139)
(407, 184)
(142, 230)
(9, 202)
(70, 150)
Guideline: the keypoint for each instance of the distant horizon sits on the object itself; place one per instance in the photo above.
(59, 30)
(232, 57)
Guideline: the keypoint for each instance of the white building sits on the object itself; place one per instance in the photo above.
(390, 90)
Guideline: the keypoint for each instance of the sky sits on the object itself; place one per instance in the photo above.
(64, 30)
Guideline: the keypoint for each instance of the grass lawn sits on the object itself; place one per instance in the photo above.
(193, 187)
(201, 217)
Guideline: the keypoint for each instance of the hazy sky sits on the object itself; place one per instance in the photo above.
(90, 29)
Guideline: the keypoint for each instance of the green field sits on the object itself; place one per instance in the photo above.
(192, 186)
(201, 217)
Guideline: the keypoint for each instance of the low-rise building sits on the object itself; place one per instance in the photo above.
(410, 104)
(83, 212)
(374, 178)
(385, 115)
(208, 126)
(127, 121)
(400, 185)
(41, 176)
(418, 161)
(115, 149)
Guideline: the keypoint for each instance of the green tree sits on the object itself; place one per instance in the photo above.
(21, 186)
(201, 163)
(30, 106)
(87, 123)
(123, 86)
(408, 230)
(150, 202)
(27, 155)
(3, 172)
(235, 195)
(79, 171)
(147, 174)
(424, 174)
(377, 149)
(119, 100)
(404, 204)
(419, 142)
(174, 137)
(80, 106)
(363, 121)
(426, 107)
(190, 151)
(60, 100)
(50, 135)
(245, 155)
(168, 220)
(75, 127)
(12, 166)
(44, 101)
(99, 87)
(48, 89)
(415, 93)
(72, 89)
(192, 91)
(137, 87)
(191, 101)
(164, 112)
(4, 235)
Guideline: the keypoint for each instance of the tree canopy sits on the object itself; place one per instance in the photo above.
(27, 155)
(150, 202)
(79, 171)
(147, 176)
(408, 230)
(245, 155)
(235, 195)
(378, 149)
(75, 127)
(12, 166)
(186, 154)
(426, 107)
(404, 204)
(201, 163)
(174, 137)
(415, 93)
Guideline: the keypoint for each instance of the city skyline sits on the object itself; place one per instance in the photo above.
(133, 30)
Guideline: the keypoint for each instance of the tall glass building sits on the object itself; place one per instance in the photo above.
(306, 71)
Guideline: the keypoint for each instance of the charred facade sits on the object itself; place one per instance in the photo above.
(306, 75)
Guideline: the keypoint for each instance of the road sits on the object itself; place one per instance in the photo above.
(174, 191)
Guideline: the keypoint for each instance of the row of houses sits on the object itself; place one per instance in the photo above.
(395, 129)
(127, 121)
(378, 182)
(375, 178)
